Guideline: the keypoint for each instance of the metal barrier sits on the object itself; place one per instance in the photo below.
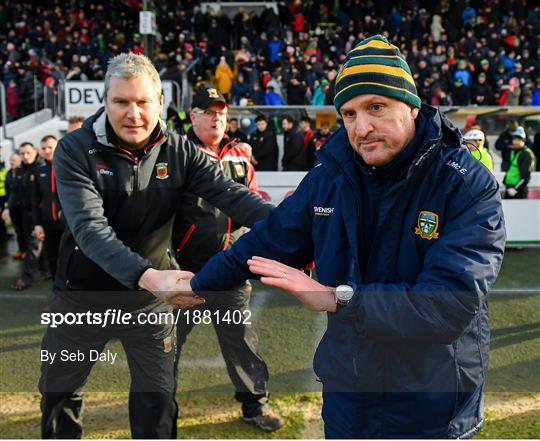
(522, 217)
(187, 93)
(177, 94)
(60, 106)
(3, 110)
(27, 122)
(33, 97)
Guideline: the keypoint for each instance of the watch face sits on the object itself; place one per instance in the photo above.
(344, 293)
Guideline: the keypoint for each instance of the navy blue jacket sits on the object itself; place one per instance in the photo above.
(415, 337)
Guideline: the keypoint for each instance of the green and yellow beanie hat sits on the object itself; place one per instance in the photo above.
(377, 67)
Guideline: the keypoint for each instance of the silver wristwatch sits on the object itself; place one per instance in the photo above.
(343, 295)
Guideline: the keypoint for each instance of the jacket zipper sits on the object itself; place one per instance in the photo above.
(382, 221)
(186, 237)
(135, 177)
(232, 142)
(228, 235)
(68, 264)
(53, 194)
(136, 160)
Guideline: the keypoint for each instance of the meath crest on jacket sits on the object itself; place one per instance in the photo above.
(428, 225)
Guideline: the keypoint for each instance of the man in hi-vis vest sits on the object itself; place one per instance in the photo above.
(522, 163)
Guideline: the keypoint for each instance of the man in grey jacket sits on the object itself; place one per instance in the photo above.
(120, 179)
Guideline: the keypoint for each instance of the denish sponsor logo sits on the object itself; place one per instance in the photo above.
(323, 211)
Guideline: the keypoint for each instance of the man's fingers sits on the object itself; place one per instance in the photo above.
(263, 270)
(265, 261)
(277, 282)
(270, 265)
(188, 304)
(183, 296)
(183, 285)
(270, 271)
(186, 275)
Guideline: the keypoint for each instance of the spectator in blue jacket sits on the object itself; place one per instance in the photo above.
(239, 89)
(274, 49)
(272, 98)
(536, 94)
(320, 93)
(463, 73)
(407, 233)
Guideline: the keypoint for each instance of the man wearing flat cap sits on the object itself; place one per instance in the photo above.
(407, 234)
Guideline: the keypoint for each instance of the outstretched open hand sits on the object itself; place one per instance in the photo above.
(311, 293)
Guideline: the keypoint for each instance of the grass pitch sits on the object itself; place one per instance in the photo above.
(288, 336)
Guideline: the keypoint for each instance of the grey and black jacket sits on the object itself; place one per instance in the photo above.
(120, 206)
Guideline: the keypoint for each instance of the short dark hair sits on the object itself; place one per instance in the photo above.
(24, 144)
(260, 118)
(288, 118)
(233, 119)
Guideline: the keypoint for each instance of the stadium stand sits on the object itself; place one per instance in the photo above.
(463, 52)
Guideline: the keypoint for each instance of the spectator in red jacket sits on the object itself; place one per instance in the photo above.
(12, 101)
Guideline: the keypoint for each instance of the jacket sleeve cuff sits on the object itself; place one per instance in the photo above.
(195, 286)
(350, 313)
(139, 275)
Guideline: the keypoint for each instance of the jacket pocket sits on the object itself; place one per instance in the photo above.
(69, 264)
(466, 415)
(64, 270)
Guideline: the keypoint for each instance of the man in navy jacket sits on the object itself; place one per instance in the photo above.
(407, 234)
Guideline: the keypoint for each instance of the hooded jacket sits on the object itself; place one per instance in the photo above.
(120, 206)
(414, 338)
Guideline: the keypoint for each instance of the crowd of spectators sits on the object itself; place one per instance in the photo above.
(462, 52)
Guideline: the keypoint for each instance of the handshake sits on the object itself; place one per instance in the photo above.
(171, 286)
(174, 287)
